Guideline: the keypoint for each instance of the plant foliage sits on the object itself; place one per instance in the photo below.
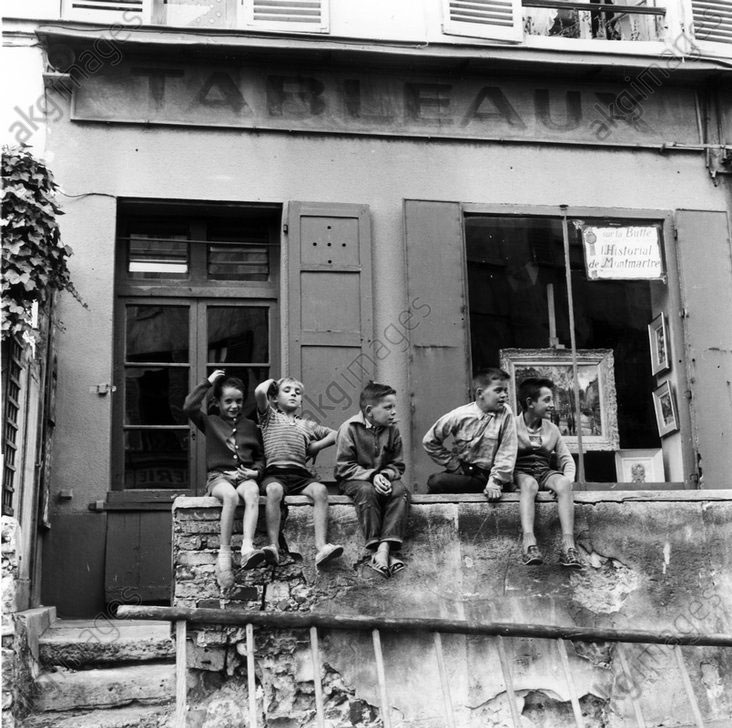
(34, 262)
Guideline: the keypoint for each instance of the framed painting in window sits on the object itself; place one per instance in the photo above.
(664, 404)
(639, 466)
(658, 342)
(596, 379)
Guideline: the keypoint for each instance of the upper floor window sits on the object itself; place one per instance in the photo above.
(309, 16)
(635, 20)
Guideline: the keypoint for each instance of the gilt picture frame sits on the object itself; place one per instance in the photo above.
(598, 399)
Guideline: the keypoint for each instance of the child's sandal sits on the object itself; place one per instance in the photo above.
(396, 565)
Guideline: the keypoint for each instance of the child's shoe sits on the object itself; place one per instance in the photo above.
(271, 555)
(532, 556)
(252, 558)
(327, 553)
(570, 559)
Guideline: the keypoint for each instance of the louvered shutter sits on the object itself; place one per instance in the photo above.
(494, 19)
(712, 20)
(125, 12)
(308, 16)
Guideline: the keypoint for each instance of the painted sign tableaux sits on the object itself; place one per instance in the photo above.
(477, 106)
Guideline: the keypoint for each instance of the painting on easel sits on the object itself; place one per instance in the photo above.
(598, 419)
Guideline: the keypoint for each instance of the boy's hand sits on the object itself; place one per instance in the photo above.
(492, 491)
(215, 374)
(382, 484)
(248, 472)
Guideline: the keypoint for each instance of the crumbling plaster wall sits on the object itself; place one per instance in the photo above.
(651, 563)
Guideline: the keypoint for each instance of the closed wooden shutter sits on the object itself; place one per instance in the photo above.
(439, 370)
(493, 19)
(712, 20)
(126, 12)
(309, 16)
(705, 269)
(329, 308)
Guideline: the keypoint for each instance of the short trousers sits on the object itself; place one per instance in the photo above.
(232, 477)
(293, 480)
(539, 472)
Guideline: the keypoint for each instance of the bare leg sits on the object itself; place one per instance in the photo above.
(275, 494)
(225, 492)
(529, 488)
(565, 506)
(381, 555)
(249, 492)
(318, 494)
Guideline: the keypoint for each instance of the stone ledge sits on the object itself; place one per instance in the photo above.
(587, 497)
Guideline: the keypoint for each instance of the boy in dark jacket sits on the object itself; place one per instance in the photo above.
(369, 466)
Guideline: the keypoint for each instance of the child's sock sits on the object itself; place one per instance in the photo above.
(246, 547)
(224, 560)
(568, 541)
(529, 540)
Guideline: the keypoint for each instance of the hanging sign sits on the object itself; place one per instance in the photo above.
(615, 253)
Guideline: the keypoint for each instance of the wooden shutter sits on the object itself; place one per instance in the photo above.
(126, 12)
(439, 372)
(329, 306)
(712, 20)
(309, 16)
(705, 270)
(494, 19)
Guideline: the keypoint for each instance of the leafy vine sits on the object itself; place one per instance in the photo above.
(34, 260)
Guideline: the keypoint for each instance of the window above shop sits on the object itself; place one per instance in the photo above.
(612, 26)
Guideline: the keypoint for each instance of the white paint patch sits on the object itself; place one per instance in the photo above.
(666, 555)
(468, 561)
(604, 590)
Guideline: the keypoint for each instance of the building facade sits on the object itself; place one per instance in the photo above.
(398, 191)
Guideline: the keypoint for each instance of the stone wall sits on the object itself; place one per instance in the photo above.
(653, 561)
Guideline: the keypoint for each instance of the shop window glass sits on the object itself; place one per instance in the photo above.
(518, 300)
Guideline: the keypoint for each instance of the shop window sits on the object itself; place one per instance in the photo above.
(196, 291)
(519, 315)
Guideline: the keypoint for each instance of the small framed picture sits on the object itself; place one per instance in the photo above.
(664, 403)
(639, 466)
(658, 341)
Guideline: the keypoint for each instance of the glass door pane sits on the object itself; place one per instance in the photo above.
(156, 381)
(237, 340)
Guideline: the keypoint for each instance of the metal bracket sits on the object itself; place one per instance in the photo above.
(102, 389)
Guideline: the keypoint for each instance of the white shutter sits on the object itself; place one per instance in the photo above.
(125, 12)
(712, 20)
(307, 16)
(494, 19)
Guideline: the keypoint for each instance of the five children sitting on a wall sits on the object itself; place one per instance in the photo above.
(489, 449)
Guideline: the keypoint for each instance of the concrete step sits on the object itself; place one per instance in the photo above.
(136, 716)
(63, 689)
(77, 643)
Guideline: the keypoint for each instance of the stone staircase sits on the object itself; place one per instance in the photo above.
(104, 673)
